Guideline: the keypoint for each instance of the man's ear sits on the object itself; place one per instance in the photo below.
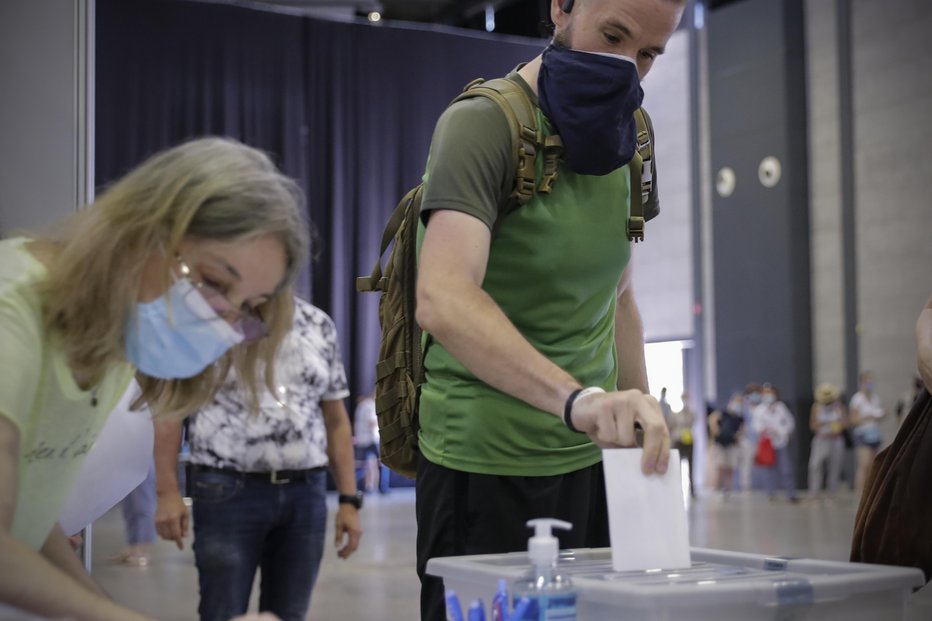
(559, 14)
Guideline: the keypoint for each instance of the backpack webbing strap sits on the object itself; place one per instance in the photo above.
(374, 281)
(640, 169)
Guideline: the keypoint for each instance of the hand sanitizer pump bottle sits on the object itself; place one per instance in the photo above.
(551, 595)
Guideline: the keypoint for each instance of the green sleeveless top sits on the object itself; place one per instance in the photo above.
(554, 268)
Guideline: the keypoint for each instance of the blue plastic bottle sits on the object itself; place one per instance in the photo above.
(499, 606)
(551, 595)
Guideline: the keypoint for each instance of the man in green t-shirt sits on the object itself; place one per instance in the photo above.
(536, 360)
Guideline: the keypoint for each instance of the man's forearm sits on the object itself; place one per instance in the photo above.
(167, 444)
(476, 332)
(629, 343)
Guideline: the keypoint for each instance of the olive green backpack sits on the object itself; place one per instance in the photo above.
(400, 367)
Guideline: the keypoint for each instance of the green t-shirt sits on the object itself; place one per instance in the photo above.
(554, 268)
(56, 420)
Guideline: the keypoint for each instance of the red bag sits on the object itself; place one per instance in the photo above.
(766, 456)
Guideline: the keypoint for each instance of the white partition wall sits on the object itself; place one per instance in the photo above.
(663, 277)
(46, 77)
(46, 116)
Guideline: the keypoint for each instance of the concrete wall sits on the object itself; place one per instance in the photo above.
(892, 97)
(828, 319)
(44, 110)
(760, 253)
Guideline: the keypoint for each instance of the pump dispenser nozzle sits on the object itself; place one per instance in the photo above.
(543, 548)
(550, 594)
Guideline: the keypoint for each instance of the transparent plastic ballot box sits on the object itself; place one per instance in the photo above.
(718, 586)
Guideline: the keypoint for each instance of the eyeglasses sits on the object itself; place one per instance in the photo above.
(247, 321)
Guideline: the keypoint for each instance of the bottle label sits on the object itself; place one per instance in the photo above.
(550, 608)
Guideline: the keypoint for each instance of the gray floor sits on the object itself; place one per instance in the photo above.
(379, 582)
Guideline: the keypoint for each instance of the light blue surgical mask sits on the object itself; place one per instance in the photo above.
(178, 335)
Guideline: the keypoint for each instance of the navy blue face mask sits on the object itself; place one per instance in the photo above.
(590, 99)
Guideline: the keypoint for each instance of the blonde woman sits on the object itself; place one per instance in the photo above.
(179, 270)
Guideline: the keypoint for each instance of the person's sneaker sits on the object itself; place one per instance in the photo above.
(137, 560)
(131, 558)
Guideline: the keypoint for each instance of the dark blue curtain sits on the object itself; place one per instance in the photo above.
(347, 109)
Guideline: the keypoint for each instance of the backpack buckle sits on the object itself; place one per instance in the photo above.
(635, 229)
(643, 139)
(553, 149)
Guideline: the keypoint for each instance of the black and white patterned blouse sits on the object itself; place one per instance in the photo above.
(289, 432)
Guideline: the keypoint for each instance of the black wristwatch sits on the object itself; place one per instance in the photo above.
(351, 499)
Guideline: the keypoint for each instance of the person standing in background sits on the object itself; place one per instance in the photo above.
(681, 433)
(773, 419)
(258, 479)
(726, 429)
(750, 438)
(866, 414)
(665, 408)
(366, 440)
(138, 510)
(827, 420)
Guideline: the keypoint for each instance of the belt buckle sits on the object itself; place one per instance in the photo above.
(275, 480)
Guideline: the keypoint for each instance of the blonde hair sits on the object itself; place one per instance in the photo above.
(211, 188)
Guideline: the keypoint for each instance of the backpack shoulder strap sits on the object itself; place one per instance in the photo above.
(526, 136)
(644, 203)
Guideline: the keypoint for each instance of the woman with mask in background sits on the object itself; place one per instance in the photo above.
(866, 414)
(749, 439)
(180, 270)
(774, 420)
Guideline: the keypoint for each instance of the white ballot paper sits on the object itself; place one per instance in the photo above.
(647, 517)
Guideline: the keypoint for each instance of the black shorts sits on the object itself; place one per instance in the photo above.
(462, 513)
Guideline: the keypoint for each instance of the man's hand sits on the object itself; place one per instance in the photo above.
(171, 518)
(348, 530)
(609, 418)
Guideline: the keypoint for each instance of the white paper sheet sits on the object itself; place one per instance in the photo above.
(647, 517)
(118, 462)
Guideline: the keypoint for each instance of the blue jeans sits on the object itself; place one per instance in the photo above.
(362, 455)
(781, 474)
(241, 524)
(139, 511)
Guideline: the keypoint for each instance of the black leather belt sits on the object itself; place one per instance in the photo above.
(275, 477)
